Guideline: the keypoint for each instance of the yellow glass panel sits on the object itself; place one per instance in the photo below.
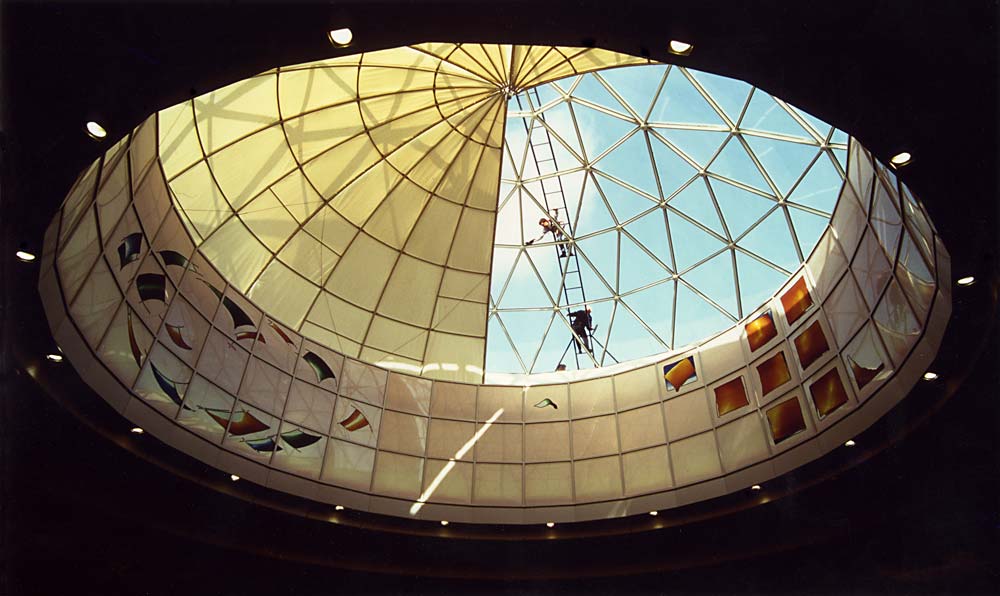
(297, 194)
(432, 235)
(459, 316)
(283, 294)
(486, 186)
(385, 108)
(378, 80)
(454, 357)
(489, 58)
(465, 286)
(251, 165)
(330, 171)
(315, 132)
(395, 337)
(344, 318)
(202, 201)
(236, 110)
(411, 291)
(309, 257)
(362, 272)
(330, 228)
(179, 146)
(411, 152)
(268, 219)
(236, 253)
(362, 197)
(395, 217)
(437, 162)
(310, 89)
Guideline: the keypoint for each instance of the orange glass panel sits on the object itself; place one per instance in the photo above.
(811, 344)
(730, 396)
(796, 301)
(773, 373)
(785, 420)
(828, 393)
(678, 373)
(760, 331)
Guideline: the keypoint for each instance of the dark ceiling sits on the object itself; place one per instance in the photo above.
(915, 508)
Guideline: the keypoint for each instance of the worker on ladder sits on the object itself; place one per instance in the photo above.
(583, 325)
(554, 227)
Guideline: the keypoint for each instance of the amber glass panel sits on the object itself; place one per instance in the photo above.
(828, 393)
(730, 396)
(760, 331)
(678, 373)
(811, 344)
(785, 420)
(773, 373)
(796, 301)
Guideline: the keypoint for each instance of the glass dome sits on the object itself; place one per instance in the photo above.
(681, 201)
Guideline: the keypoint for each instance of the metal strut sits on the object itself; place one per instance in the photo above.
(554, 197)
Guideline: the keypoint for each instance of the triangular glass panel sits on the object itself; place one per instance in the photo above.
(547, 262)
(637, 267)
(590, 89)
(500, 355)
(680, 102)
(691, 244)
(699, 145)
(636, 85)
(772, 240)
(508, 227)
(764, 114)
(758, 282)
(730, 94)
(562, 132)
(655, 306)
(820, 187)
(527, 330)
(841, 155)
(598, 130)
(545, 94)
(504, 260)
(740, 208)
(696, 319)
(624, 202)
(671, 169)
(808, 228)
(651, 232)
(821, 128)
(715, 279)
(629, 339)
(630, 163)
(734, 162)
(840, 137)
(784, 162)
(554, 348)
(525, 289)
(516, 142)
(601, 253)
(695, 202)
(594, 214)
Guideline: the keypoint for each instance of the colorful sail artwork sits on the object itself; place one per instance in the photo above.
(299, 439)
(281, 333)
(239, 316)
(128, 250)
(356, 421)
(174, 331)
(132, 343)
(176, 259)
(320, 367)
(677, 373)
(151, 286)
(242, 422)
(168, 385)
(862, 374)
(270, 444)
(241, 335)
(546, 403)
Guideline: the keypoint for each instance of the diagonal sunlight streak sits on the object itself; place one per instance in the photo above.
(419, 503)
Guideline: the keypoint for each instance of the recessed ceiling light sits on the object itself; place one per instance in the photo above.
(96, 131)
(444, 522)
(966, 281)
(930, 376)
(341, 37)
(654, 513)
(755, 487)
(137, 430)
(234, 477)
(550, 524)
(850, 443)
(54, 357)
(680, 48)
(339, 507)
(25, 256)
(900, 159)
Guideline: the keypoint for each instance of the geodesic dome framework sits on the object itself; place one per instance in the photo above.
(213, 271)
